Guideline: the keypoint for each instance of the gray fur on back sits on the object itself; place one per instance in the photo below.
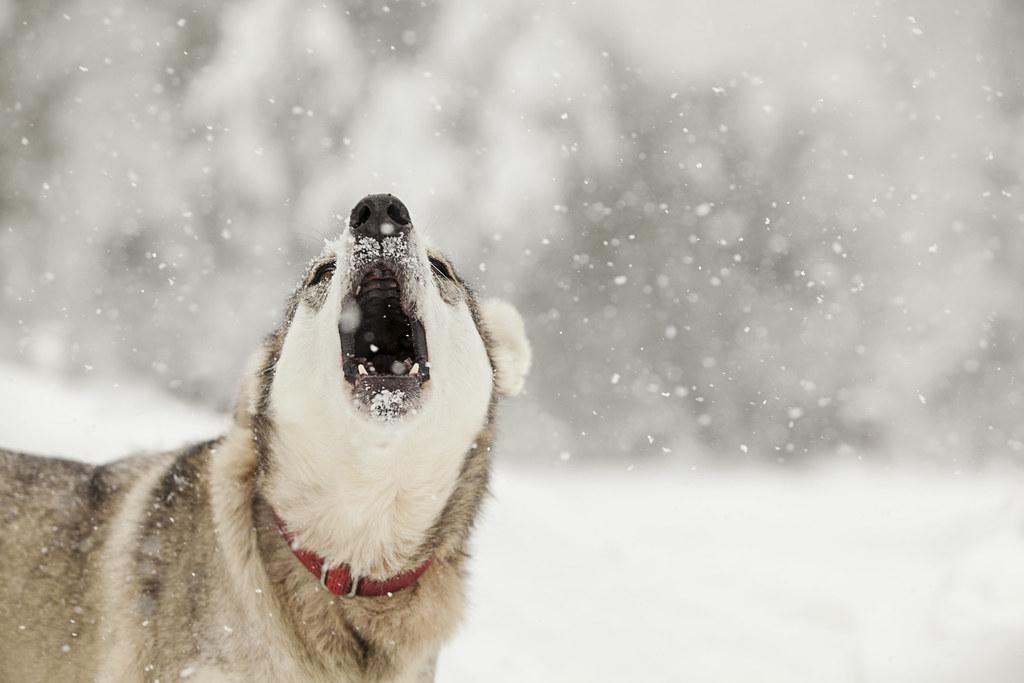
(55, 517)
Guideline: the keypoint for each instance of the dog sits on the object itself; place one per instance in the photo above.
(323, 537)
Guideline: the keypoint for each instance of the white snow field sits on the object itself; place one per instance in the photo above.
(584, 574)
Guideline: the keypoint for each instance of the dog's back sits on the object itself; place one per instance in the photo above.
(55, 518)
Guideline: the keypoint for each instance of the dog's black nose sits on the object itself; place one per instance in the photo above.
(380, 216)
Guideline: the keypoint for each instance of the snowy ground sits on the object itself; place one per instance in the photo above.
(615, 575)
(837, 577)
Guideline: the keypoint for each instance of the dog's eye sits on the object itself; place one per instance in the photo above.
(441, 268)
(324, 272)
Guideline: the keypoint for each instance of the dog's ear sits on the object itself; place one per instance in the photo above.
(510, 350)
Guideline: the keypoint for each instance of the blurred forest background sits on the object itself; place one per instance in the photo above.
(777, 231)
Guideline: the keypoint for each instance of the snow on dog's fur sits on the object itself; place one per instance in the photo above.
(373, 455)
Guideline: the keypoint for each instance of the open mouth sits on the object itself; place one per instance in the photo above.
(384, 346)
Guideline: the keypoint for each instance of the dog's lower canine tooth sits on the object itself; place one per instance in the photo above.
(362, 369)
(415, 369)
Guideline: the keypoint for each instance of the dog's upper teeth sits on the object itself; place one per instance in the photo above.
(362, 369)
(415, 369)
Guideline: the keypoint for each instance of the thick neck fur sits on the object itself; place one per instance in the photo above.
(370, 498)
(386, 639)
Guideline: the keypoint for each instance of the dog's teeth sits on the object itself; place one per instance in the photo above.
(415, 369)
(362, 369)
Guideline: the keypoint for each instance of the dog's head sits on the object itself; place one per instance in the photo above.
(383, 331)
(386, 369)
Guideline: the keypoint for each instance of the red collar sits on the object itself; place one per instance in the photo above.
(338, 580)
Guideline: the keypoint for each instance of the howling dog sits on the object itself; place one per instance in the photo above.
(324, 537)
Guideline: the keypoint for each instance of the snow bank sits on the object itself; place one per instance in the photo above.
(96, 420)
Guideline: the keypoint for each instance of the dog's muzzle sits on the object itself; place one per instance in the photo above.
(383, 342)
